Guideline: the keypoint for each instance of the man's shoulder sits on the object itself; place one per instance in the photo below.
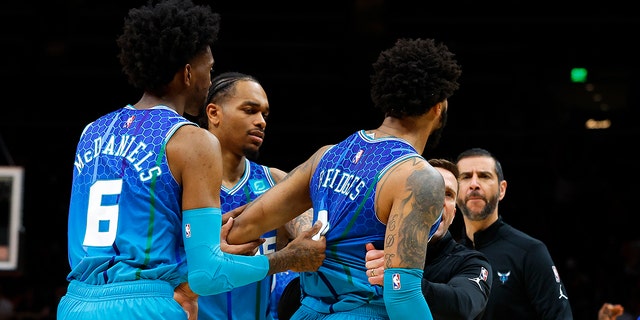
(514, 240)
(511, 233)
(468, 254)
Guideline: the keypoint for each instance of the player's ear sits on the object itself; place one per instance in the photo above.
(186, 73)
(214, 114)
(441, 107)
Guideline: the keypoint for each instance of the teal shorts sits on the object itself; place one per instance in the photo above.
(364, 312)
(140, 299)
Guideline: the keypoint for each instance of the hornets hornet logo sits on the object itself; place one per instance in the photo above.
(503, 276)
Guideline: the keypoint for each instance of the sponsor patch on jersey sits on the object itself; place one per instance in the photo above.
(555, 273)
(258, 186)
(187, 230)
(395, 279)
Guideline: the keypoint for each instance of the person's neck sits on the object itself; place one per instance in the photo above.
(149, 100)
(414, 130)
(473, 226)
(232, 169)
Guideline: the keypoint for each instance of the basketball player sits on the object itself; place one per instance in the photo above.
(145, 198)
(374, 186)
(236, 113)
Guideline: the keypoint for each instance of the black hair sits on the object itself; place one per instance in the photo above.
(222, 86)
(158, 40)
(413, 76)
(479, 152)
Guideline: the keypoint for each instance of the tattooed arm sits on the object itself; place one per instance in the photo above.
(410, 199)
(297, 225)
(286, 200)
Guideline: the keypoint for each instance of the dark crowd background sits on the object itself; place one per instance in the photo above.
(569, 186)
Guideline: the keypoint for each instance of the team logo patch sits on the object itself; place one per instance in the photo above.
(187, 230)
(395, 278)
(556, 274)
(503, 276)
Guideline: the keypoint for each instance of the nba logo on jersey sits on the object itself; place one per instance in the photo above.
(555, 273)
(357, 157)
(395, 279)
(129, 121)
(187, 230)
(484, 273)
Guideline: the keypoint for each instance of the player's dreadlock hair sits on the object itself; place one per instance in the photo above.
(222, 86)
(413, 76)
(158, 40)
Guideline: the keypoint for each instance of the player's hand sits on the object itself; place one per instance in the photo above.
(610, 311)
(374, 262)
(249, 248)
(233, 213)
(187, 299)
(303, 253)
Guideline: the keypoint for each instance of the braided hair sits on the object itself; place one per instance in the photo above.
(222, 86)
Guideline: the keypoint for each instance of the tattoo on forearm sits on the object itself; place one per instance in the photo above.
(300, 223)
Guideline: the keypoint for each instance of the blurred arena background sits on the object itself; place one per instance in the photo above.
(566, 144)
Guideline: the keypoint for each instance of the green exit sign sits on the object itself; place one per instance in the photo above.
(579, 75)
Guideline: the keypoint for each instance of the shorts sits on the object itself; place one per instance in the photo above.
(140, 299)
(364, 312)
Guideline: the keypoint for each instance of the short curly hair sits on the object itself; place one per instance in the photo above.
(412, 76)
(158, 40)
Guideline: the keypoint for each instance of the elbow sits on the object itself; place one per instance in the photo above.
(201, 282)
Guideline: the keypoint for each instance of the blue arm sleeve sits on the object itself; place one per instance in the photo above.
(403, 294)
(212, 271)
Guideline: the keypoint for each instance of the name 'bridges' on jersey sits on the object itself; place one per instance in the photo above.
(349, 184)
